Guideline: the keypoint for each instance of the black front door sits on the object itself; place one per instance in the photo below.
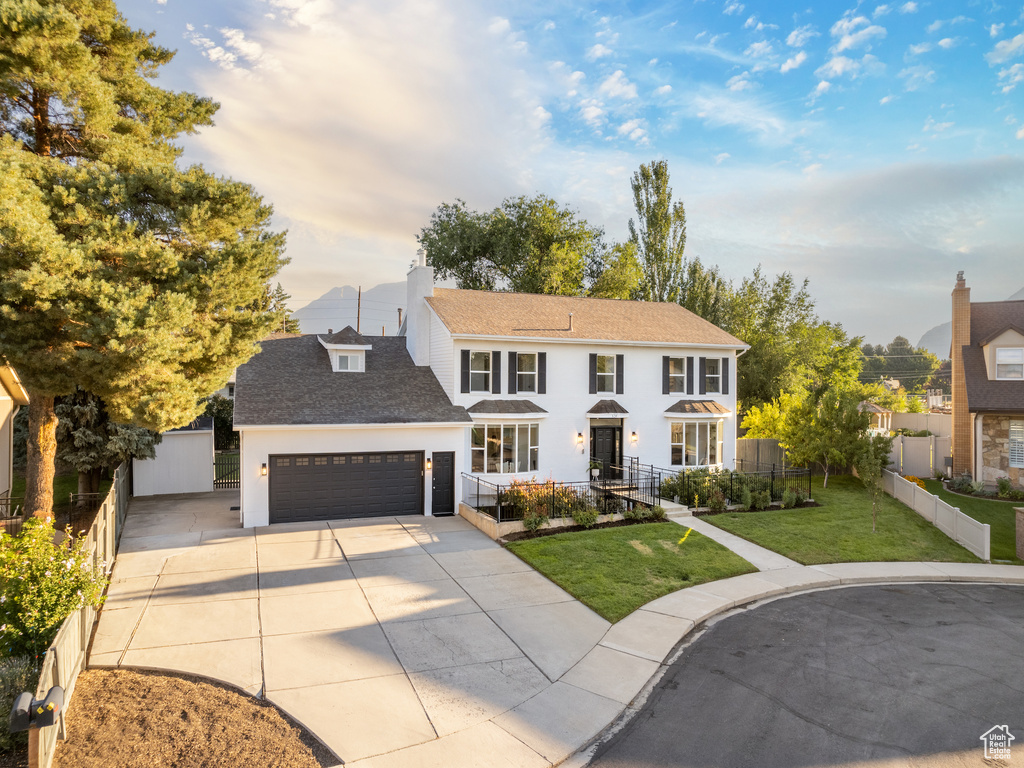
(606, 447)
(443, 487)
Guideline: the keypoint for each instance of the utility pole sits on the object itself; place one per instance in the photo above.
(359, 307)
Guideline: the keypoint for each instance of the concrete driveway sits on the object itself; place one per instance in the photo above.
(378, 635)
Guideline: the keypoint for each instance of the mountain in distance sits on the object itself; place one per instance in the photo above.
(337, 308)
(940, 338)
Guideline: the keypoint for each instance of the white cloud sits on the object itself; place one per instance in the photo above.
(882, 10)
(800, 36)
(812, 169)
(547, 26)
(718, 109)
(739, 83)
(661, 90)
(919, 48)
(635, 130)
(886, 99)
(1006, 50)
(592, 112)
(723, 156)
(839, 66)
(499, 26)
(821, 88)
(948, 42)
(995, 30)
(598, 51)
(1011, 76)
(758, 26)
(935, 26)
(759, 49)
(1020, 133)
(917, 77)
(931, 126)
(751, 22)
(304, 13)
(910, 7)
(850, 35)
(617, 85)
(733, 9)
(938, 24)
(793, 63)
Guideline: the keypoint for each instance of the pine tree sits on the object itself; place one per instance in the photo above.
(659, 233)
(141, 282)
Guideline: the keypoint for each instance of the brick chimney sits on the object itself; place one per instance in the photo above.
(963, 451)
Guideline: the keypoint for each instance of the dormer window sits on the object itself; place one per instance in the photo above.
(347, 350)
(352, 362)
(1010, 363)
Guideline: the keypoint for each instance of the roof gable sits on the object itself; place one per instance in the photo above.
(538, 316)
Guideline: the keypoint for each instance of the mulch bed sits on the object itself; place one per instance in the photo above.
(521, 535)
(124, 718)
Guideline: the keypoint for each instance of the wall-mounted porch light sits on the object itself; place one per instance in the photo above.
(430, 464)
(579, 438)
(632, 438)
(263, 469)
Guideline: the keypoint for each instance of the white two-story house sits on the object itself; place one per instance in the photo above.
(496, 385)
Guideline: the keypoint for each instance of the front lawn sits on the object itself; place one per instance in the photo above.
(839, 531)
(998, 514)
(616, 570)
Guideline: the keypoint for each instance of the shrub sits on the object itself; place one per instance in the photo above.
(17, 675)
(961, 483)
(916, 481)
(1005, 487)
(632, 513)
(799, 495)
(746, 497)
(717, 501)
(585, 516)
(534, 519)
(788, 499)
(762, 500)
(658, 513)
(977, 486)
(612, 505)
(42, 584)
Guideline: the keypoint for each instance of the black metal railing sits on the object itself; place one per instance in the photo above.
(694, 487)
(516, 499)
(227, 469)
(12, 516)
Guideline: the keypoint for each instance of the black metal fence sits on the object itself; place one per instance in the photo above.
(696, 486)
(12, 516)
(227, 468)
(514, 500)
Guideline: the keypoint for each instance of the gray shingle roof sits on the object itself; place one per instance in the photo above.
(530, 315)
(291, 382)
(505, 406)
(606, 406)
(698, 407)
(988, 320)
(346, 335)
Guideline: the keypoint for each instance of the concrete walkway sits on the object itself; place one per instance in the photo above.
(412, 640)
(759, 557)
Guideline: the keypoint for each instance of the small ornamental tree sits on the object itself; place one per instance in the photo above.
(42, 584)
(828, 432)
(120, 272)
(871, 460)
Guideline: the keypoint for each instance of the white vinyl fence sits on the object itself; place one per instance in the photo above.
(920, 456)
(963, 529)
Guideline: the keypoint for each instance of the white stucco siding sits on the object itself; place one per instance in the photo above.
(567, 400)
(7, 413)
(442, 360)
(183, 464)
(258, 444)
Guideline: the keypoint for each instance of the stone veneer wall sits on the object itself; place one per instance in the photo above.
(995, 449)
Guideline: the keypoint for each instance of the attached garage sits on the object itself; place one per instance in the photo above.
(345, 485)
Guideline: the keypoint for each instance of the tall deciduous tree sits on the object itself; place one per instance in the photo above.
(120, 273)
(659, 232)
(527, 244)
(899, 359)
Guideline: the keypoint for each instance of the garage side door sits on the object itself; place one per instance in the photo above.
(345, 485)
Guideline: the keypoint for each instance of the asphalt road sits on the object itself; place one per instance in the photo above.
(908, 675)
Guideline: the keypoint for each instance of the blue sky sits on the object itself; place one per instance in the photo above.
(875, 148)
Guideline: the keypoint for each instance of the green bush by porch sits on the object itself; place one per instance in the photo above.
(839, 531)
(616, 570)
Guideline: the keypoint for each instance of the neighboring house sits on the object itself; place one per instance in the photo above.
(498, 385)
(12, 397)
(881, 418)
(988, 387)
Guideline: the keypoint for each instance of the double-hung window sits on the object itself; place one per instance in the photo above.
(526, 372)
(677, 375)
(712, 375)
(480, 372)
(606, 373)
(1017, 444)
(1010, 363)
(696, 443)
(504, 448)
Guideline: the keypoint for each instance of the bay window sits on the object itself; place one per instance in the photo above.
(504, 448)
(696, 443)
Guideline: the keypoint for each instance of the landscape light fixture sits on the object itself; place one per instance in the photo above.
(263, 469)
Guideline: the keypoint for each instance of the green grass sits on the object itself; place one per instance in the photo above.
(616, 570)
(840, 530)
(998, 514)
(63, 487)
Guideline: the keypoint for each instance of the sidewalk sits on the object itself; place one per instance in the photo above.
(414, 640)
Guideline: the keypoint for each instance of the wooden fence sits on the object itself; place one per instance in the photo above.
(963, 529)
(66, 656)
(756, 454)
